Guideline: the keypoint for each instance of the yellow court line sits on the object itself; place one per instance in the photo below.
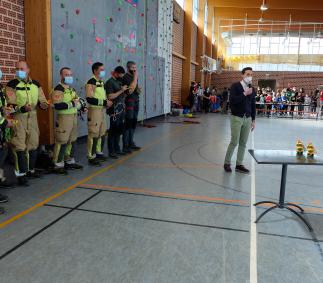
(185, 196)
(165, 194)
(25, 212)
(169, 165)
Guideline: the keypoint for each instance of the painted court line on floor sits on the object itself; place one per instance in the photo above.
(169, 165)
(166, 194)
(253, 225)
(171, 221)
(239, 202)
(71, 209)
(86, 179)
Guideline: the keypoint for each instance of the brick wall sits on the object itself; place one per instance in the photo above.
(177, 70)
(193, 70)
(12, 36)
(308, 80)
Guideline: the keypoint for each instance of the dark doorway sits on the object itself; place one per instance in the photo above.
(267, 83)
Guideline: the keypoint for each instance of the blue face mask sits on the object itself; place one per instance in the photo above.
(102, 74)
(0, 74)
(21, 74)
(69, 80)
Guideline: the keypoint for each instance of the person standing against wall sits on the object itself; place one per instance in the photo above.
(25, 94)
(243, 109)
(116, 93)
(97, 125)
(66, 103)
(130, 79)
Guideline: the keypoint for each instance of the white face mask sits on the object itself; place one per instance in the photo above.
(248, 80)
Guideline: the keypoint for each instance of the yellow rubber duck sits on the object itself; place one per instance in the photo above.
(300, 147)
(310, 150)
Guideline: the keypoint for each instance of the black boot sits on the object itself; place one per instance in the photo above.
(3, 199)
(23, 181)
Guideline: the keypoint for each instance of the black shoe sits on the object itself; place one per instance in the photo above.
(60, 171)
(6, 185)
(113, 156)
(3, 199)
(23, 181)
(33, 175)
(135, 148)
(2, 211)
(127, 151)
(242, 169)
(73, 166)
(94, 162)
(227, 168)
(101, 157)
(121, 153)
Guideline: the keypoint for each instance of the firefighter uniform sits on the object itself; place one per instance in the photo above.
(25, 138)
(66, 108)
(97, 126)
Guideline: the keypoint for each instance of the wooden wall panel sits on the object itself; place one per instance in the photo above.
(39, 57)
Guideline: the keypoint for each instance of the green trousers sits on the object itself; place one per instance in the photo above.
(240, 129)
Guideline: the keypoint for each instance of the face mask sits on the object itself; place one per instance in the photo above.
(0, 74)
(248, 80)
(102, 74)
(21, 74)
(68, 80)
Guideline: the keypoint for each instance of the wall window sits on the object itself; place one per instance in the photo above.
(265, 45)
(205, 18)
(282, 67)
(195, 10)
(181, 3)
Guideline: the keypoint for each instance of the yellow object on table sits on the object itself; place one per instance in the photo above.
(300, 147)
(310, 150)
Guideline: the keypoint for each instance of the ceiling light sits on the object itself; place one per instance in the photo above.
(261, 20)
(264, 7)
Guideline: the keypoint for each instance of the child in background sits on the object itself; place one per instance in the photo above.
(213, 102)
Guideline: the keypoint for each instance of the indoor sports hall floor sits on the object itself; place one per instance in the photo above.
(170, 214)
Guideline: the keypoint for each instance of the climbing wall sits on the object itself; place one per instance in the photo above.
(114, 32)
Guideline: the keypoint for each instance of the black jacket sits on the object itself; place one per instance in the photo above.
(240, 104)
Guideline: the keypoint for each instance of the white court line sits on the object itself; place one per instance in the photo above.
(253, 225)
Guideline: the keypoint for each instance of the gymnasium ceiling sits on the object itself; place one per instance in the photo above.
(286, 11)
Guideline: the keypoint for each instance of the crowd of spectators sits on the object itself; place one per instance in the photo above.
(289, 101)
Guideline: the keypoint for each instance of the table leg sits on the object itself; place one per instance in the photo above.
(283, 186)
(263, 202)
(295, 205)
(282, 203)
(301, 217)
(266, 211)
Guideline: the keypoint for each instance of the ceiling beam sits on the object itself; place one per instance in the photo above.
(272, 4)
(273, 14)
